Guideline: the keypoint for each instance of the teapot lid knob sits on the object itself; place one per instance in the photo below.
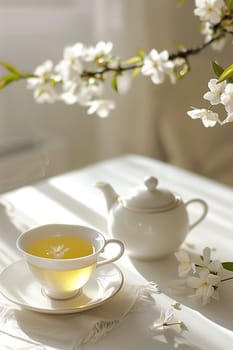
(151, 183)
(149, 198)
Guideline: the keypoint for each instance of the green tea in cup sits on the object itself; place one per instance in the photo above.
(62, 247)
(63, 257)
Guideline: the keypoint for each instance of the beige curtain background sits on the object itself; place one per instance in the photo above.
(149, 120)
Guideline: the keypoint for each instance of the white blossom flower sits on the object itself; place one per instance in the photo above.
(70, 68)
(185, 263)
(88, 90)
(45, 93)
(228, 119)
(176, 67)
(204, 261)
(100, 107)
(216, 90)
(102, 51)
(69, 96)
(206, 276)
(44, 90)
(43, 72)
(208, 32)
(164, 319)
(209, 10)
(58, 251)
(73, 52)
(156, 65)
(227, 98)
(83, 92)
(205, 286)
(208, 118)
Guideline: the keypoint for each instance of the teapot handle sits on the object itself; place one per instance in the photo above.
(203, 215)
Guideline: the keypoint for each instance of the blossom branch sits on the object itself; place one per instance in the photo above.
(227, 279)
(195, 50)
(184, 53)
(80, 76)
(119, 69)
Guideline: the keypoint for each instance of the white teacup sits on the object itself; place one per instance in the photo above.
(61, 276)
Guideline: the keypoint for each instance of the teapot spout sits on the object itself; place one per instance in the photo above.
(109, 193)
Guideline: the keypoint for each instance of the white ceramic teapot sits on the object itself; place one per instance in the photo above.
(151, 222)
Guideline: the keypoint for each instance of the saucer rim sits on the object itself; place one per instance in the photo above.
(65, 310)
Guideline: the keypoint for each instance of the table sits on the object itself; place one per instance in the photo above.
(72, 198)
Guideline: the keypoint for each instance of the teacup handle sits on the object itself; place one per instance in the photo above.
(203, 215)
(114, 258)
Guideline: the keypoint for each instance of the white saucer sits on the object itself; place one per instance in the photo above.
(19, 286)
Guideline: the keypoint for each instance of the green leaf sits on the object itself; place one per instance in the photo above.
(226, 74)
(114, 83)
(181, 46)
(9, 67)
(184, 71)
(8, 79)
(218, 70)
(133, 60)
(228, 265)
(141, 54)
(135, 72)
(180, 2)
(229, 4)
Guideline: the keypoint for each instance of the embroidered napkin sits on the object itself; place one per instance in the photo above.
(35, 331)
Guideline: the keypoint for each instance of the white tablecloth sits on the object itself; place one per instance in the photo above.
(72, 198)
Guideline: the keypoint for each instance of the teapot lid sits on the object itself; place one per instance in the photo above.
(149, 198)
